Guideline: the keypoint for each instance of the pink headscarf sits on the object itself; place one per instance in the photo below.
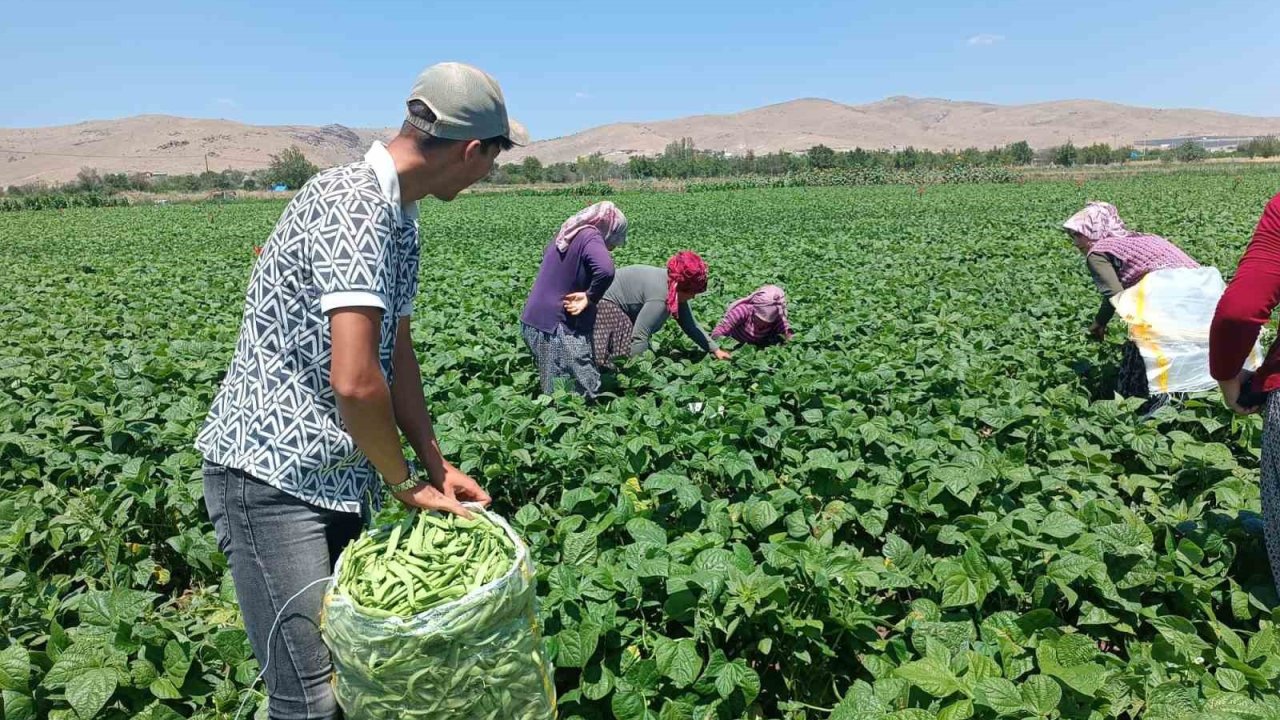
(1098, 221)
(603, 216)
(769, 304)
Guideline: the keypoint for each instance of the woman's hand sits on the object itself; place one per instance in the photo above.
(722, 355)
(1098, 332)
(575, 303)
(1231, 392)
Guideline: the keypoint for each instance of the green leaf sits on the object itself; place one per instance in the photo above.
(647, 532)
(89, 691)
(596, 682)
(958, 710)
(676, 710)
(1061, 525)
(1237, 705)
(177, 661)
(18, 706)
(110, 608)
(958, 590)
(981, 667)
(74, 660)
(1231, 680)
(932, 675)
(678, 660)
(164, 689)
(860, 703)
(735, 675)
(15, 669)
(898, 552)
(577, 644)
(1000, 695)
(629, 705)
(580, 548)
(1171, 701)
(760, 515)
(643, 676)
(1069, 658)
(158, 711)
(1181, 634)
(1041, 694)
(1126, 539)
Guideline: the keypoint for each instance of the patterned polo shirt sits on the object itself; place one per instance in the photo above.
(344, 241)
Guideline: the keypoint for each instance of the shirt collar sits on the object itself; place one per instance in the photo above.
(389, 180)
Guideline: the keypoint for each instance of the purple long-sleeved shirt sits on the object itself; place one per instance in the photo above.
(586, 267)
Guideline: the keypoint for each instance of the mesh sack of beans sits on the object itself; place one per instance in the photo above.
(435, 617)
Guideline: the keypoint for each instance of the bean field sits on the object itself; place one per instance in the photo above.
(928, 505)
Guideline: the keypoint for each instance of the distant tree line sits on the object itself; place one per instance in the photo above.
(681, 160)
(290, 168)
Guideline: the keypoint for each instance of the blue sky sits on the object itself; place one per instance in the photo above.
(567, 66)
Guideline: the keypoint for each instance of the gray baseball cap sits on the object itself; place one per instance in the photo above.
(467, 103)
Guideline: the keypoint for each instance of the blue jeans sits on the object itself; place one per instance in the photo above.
(276, 545)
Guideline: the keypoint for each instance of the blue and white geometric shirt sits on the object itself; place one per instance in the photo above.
(344, 241)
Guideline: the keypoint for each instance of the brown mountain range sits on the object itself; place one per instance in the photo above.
(154, 143)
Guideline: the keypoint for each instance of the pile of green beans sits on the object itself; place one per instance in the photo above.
(422, 564)
(436, 617)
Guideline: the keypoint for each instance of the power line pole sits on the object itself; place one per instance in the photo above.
(206, 162)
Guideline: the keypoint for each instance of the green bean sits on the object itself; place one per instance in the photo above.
(411, 638)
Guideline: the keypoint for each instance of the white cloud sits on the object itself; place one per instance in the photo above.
(582, 95)
(225, 103)
(986, 39)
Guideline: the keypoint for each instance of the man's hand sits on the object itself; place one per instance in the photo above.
(428, 497)
(722, 355)
(575, 303)
(1231, 392)
(459, 486)
(1098, 332)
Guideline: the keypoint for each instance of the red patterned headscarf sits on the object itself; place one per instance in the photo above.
(686, 272)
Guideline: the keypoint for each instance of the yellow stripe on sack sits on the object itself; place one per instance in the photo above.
(547, 686)
(1141, 331)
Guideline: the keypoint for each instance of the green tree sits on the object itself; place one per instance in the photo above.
(1264, 147)
(821, 157)
(88, 180)
(290, 168)
(1020, 153)
(593, 167)
(907, 159)
(969, 156)
(642, 166)
(1096, 154)
(1066, 155)
(531, 168)
(1191, 152)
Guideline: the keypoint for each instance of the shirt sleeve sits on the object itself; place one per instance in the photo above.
(599, 263)
(1108, 283)
(352, 251)
(731, 321)
(648, 321)
(691, 328)
(1249, 299)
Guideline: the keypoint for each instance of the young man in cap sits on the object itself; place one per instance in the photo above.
(324, 378)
